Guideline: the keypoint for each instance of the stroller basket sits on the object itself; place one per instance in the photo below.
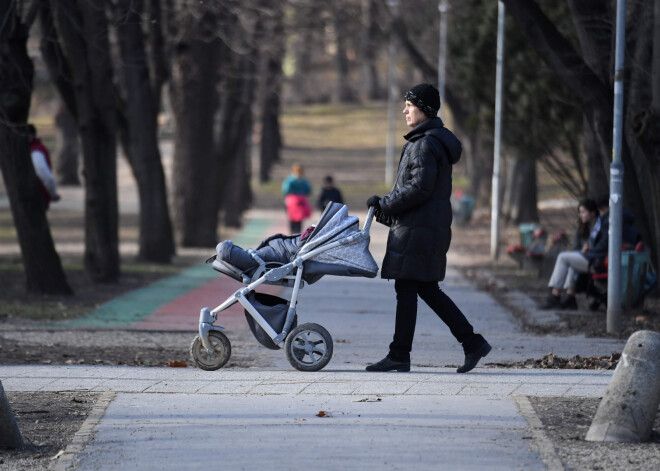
(274, 310)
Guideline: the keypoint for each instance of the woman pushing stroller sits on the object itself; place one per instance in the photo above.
(418, 212)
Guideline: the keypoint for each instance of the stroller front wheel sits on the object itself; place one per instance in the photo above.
(215, 359)
(308, 347)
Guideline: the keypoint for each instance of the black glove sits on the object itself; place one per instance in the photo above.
(373, 201)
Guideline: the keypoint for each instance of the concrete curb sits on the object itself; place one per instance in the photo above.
(67, 461)
(541, 439)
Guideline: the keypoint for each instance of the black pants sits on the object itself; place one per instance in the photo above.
(406, 317)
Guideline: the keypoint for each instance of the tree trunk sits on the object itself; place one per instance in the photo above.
(57, 63)
(520, 195)
(156, 242)
(234, 148)
(344, 93)
(43, 269)
(306, 22)
(271, 137)
(643, 135)
(10, 435)
(67, 148)
(371, 83)
(194, 102)
(159, 65)
(83, 31)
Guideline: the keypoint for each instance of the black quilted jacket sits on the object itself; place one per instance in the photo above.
(418, 206)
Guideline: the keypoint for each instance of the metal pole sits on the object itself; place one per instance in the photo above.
(391, 98)
(616, 181)
(495, 210)
(442, 54)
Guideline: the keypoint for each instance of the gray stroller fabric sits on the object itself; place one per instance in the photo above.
(346, 259)
(278, 248)
(335, 224)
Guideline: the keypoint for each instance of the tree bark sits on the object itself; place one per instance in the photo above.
(83, 31)
(158, 57)
(67, 148)
(10, 435)
(156, 242)
(55, 59)
(194, 103)
(43, 269)
(306, 22)
(344, 93)
(520, 193)
(236, 125)
(271, 137)
(371, 83)
(595, 94)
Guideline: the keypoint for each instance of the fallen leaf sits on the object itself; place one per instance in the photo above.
(323, 413)
(176, 364)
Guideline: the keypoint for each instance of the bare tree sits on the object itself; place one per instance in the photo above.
(67, 148)
(373, 88)
(341, 17)
(271, 87)
(640, 145)
(82, 28)
(43, 269)
(156, 241)
(238, 95)
(195, 50)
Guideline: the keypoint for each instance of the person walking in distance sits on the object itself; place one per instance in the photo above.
(42, 167)
(296, 189)
(419, 214)
(330, 193)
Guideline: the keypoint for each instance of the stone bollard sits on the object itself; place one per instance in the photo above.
(10, 435)
(627, 411)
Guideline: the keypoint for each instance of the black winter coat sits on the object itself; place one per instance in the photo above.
(418, 206)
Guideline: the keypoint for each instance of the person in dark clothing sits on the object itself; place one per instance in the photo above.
(589, 246)
(419, 214)
(329, 193)
(629, 233)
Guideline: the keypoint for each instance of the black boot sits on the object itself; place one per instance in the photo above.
(471, 359)
(569, 303)
(388, 365)
(551, 302)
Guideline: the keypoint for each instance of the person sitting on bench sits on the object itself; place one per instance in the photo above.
(590, 245)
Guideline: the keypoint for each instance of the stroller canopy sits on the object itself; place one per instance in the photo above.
(346, 259)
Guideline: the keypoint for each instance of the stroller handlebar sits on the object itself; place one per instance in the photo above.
(368, 221)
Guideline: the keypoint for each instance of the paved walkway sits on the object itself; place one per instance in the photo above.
(342, 417)
(431, 418)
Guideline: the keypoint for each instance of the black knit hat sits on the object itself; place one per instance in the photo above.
(425, 97)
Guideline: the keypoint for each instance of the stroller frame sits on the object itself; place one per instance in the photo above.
(206, 354)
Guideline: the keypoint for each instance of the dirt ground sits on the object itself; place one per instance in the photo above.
(47, 421)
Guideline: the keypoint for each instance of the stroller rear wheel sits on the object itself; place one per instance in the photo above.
(215, 359)
(308, 347)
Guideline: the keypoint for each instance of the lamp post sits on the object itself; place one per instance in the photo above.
(495, 209)
(616, 181)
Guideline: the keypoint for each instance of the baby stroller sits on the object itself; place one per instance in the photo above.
(336, 246)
